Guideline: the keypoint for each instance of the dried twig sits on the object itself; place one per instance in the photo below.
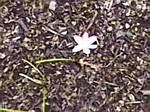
(110, 5)
(94, 66)
(145, 92)
(22, 25)
(97, 66)
(134, 102)
(92, 21)
(53, 31)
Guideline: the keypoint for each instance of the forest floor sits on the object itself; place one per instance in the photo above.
(114, 77)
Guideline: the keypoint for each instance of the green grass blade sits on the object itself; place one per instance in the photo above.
(32, 79)
(53, 60)
(34, 67)
(44, 100)
(10, 110)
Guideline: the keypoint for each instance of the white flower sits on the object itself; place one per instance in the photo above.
(85, 43)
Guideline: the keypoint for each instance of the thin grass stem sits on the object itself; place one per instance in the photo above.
(31, 79)
(10, 110)
(34, 67)
(53, 60)
(44, 100)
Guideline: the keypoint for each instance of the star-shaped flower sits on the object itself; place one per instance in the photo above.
(85, 43)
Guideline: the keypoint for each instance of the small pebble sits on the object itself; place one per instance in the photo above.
(64, 32)
(110, 28)
(16, 39)
(1, 83)
(16, 30)
(144, 7)
(27, 40)
(2, 55)
(136, 29)
(52, 5)
(120, 33)
(127, 26)
(139, 7)
(6, 69)
(31, 110)
(120, 27)
(73, 23)
(125, 4)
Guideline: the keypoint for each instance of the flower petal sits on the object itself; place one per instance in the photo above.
(92, 39)
(86, 51)
(76, 48)
(92, 46)
(77, 38)
(85, 35)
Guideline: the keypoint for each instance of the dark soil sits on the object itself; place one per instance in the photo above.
(124, 51)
